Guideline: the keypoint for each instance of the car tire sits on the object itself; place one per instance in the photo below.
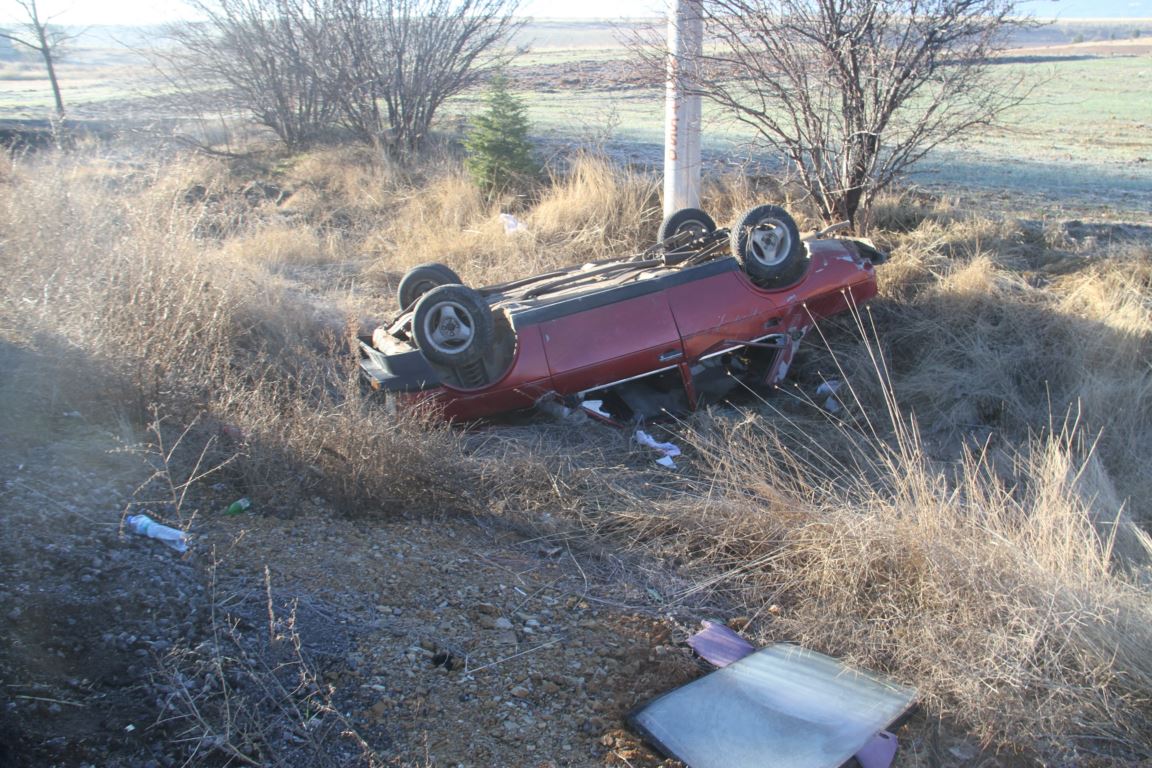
(421, 279)
(766, 242)
(685, 220)
(453, 326)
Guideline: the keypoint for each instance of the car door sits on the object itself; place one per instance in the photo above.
(610, 336)
(721, 306)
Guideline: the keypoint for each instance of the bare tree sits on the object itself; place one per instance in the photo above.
(855, 92)
(46, 39)
(431, 50)
(266, 57)
(379, 68)
(398, 61)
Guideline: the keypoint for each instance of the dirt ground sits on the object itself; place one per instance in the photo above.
(1139, 46)
(439, 641)
(302, 637)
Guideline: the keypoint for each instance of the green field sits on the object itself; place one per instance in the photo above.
(1083, 138)
(1085, 131)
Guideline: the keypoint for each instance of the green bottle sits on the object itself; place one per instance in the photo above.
(238, 506)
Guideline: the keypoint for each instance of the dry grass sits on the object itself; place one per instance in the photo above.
(988, 582)
(585, 215)
(592, 209)
(989, 330)
(597, 210)
(977, 558)
(190, 320)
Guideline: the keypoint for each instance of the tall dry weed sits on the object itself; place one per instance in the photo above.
(596, 209)
(448, 220)
(985, 330)
(115, 263)
(116, 275)
(989, 583)
(346, 449)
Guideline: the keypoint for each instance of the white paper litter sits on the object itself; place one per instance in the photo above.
(511, 223)
(670, 450)
(829, 389)
(596, 407)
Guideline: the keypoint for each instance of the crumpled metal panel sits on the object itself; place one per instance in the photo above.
(781, 707)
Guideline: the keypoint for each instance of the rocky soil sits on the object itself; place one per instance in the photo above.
(297, 636)
(301, 637)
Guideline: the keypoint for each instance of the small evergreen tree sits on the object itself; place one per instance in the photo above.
(499, 154)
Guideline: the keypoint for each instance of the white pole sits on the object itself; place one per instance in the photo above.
(682, 110)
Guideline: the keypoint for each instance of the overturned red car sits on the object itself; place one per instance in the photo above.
(682, 323)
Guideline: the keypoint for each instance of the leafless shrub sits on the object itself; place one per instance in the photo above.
(248, 694)
(853, 94)
(303, 68)
(178, 469)
(413, 55)
(269, 56)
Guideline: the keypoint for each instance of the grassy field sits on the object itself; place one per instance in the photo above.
(1080, 145)
(1083, 133)
(1081, 139)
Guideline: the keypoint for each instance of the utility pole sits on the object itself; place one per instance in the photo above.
(681, 107)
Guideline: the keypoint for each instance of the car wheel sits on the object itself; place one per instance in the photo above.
(766, 241)
(453, 326)
(421, 279)
(686, 220)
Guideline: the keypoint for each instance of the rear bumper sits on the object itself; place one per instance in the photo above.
(404, 372)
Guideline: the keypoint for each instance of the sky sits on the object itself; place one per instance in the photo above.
(88, 12)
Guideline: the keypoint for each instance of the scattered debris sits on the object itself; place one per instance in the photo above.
(669, 450)
(146, 526)
(238, 507)
(828, 390)
(878, 753)
(719, 645)
(233, 432)
(511, 224)
(806, 709)
(596, 408)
